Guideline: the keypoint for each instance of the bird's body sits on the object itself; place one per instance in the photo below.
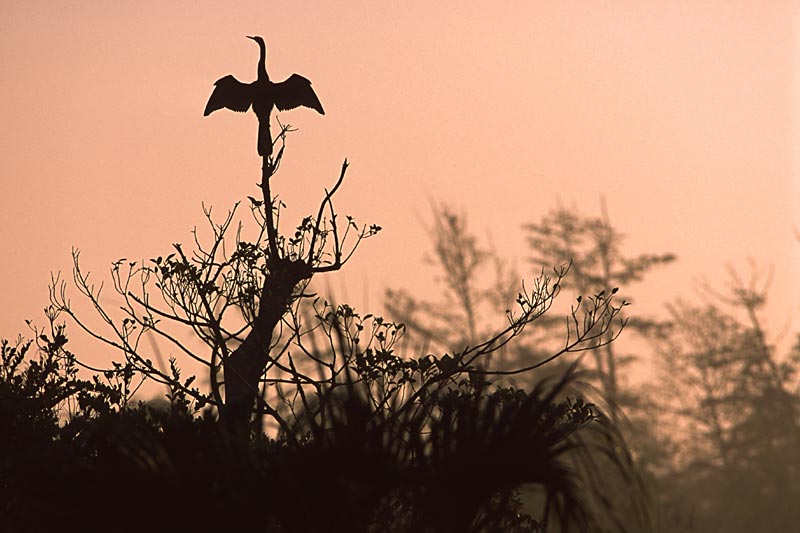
(262, 95)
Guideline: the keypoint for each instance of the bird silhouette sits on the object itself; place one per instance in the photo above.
(262, 95)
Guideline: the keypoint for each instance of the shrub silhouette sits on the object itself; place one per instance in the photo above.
(308, 419)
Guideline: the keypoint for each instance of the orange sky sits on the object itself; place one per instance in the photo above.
(681, 114)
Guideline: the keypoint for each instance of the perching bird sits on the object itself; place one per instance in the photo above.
(262, 94)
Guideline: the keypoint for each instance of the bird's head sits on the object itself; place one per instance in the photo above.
(257, 39)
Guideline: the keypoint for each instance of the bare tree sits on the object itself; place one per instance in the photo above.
(280, 360)
(242, 298)
(231, 293)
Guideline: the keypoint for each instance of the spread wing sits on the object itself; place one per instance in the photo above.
(295, 91)
(231, 93)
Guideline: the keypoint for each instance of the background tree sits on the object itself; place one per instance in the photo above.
(594, 248)
(477, 284)
(589, 245)
(736, 403)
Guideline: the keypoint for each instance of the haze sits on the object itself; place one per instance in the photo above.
(681, 115)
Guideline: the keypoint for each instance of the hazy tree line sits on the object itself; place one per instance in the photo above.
(714, 432)
(492, 406)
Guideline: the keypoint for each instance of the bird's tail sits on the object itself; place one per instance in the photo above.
(264, 138)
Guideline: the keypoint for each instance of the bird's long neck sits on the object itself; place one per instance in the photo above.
(262, 62)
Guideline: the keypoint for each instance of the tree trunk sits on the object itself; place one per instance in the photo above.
(245, 366)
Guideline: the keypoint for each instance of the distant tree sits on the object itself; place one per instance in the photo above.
(475, 285)
(590, 247)
(594, 248)
(735, 414)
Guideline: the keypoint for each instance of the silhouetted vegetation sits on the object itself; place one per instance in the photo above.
(306, 417)
(441, 464)
(494, 407)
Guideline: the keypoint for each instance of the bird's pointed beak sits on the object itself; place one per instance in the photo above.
(250, 37)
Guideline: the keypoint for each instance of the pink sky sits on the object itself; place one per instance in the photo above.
(682, 115)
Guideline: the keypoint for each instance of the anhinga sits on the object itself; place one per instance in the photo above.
(262, 94)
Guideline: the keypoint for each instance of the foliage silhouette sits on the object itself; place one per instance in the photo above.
(308, 419)
(436, 465)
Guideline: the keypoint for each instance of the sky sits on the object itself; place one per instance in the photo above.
(681, 116)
